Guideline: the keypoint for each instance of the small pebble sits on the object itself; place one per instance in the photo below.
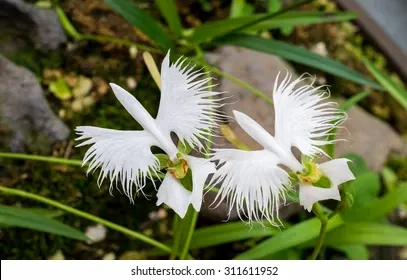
(131, 82)
(109, 256)
(96, 233)
(57, 256)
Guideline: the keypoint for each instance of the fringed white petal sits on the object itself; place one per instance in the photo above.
(173, 194)
(123, 156)
(252, 181)
(302, 117)
(200, 168)
(310, 194)
(338, 172)
(187, 106)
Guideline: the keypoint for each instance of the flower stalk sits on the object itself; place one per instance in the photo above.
(318, 211)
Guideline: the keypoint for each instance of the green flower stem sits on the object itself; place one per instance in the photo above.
(191, 230)
(194, 215)
(42, 158)
(318, 211)
(176, 227)
(85, 215)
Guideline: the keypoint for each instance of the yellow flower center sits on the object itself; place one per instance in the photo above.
(179, 168)
(312, 175)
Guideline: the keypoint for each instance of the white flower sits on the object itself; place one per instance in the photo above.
(188, 109)
(255, 181)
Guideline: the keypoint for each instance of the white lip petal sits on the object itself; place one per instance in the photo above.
(337, 170)
(252, 181)
(173, 194)
(187, 107)
(310, 195)
(302, 118)
(123, 156)
(200, 168)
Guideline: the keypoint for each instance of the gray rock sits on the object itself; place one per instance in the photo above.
(369, 137)
(23, 109)
(40, 25)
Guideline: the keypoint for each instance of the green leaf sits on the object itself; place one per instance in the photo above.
(229, 232)
(354, 100)
(294, 18)
(289, 238)
(18, 217)
(368, 234)
(60, 89)
(389, 178)
(274, 6)
(297, 54)
(353, 251)
(380, 207)
(41, 211)
(240, 8)
(142, 20)
(398, 93)
(364, 190)
(210, 30)
(289, 254)
(169, 10)
(357, 165)
(46, 212)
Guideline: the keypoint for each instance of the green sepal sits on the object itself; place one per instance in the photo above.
(307, 163)
(164, 160)
(187, 180)
(184, 147)
(293, 178)
(323, 182)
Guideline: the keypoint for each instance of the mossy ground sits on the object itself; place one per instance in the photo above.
(70, 185)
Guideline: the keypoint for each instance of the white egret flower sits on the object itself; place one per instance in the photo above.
(256, 182)
(189, 109)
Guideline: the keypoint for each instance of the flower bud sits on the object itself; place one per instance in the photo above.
(348, 200)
